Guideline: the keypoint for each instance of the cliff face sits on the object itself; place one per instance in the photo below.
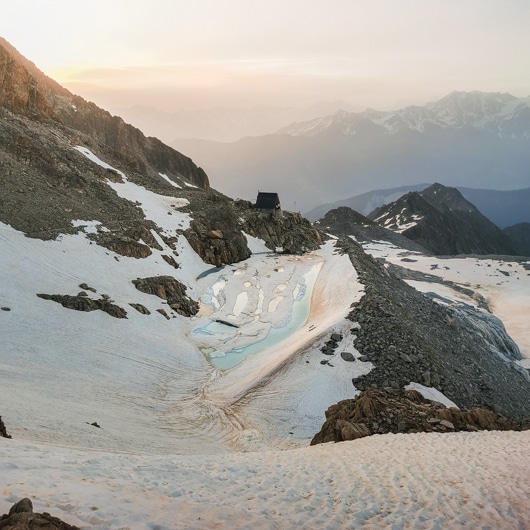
(27, 92)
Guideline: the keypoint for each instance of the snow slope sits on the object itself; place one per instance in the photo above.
(421, 481)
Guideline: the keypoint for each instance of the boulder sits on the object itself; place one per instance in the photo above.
(22, 517)
(82, 302)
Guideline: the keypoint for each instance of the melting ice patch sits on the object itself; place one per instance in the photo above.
(174, 184)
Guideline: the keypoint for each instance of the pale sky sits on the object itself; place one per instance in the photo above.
(188, 54)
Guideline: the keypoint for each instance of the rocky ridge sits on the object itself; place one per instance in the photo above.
(409, 337)
(347, 222)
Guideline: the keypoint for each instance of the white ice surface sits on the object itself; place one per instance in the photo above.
(429, 392)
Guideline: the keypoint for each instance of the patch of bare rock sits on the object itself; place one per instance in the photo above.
(3, 431)
(382, 411)
(81, 302)
(170, 289)
(22, 517)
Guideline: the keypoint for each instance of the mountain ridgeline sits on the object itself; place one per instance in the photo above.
(437, 220)
(442, 221)
(466, 139)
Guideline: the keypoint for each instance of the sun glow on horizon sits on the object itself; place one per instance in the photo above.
(279, 52)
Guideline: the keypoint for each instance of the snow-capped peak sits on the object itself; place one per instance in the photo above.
(502, 113)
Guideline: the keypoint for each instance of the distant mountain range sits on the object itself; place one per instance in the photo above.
(467, 139)
(220, 124)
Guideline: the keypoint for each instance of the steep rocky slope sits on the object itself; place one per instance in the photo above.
(519, 234)
(345, 221)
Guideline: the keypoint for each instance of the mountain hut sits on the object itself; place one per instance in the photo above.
(268, 203)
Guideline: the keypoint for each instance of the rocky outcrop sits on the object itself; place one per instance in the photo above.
(402, 411)
(82, 302)
(170, 289)
(22, 517)
(289, 231)
(215, 232)
(23, 88)
(125, 246)
(3, 430)
(140, 308)
(218, 230)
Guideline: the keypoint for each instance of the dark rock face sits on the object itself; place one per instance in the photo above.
(216, 231)
(409, 337)
(170, 289)
(402, 411)
(519, 234)
(21, 517)
(3, 431)
(442, 221)
(82, 302)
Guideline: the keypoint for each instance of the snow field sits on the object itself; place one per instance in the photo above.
(421, 481)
